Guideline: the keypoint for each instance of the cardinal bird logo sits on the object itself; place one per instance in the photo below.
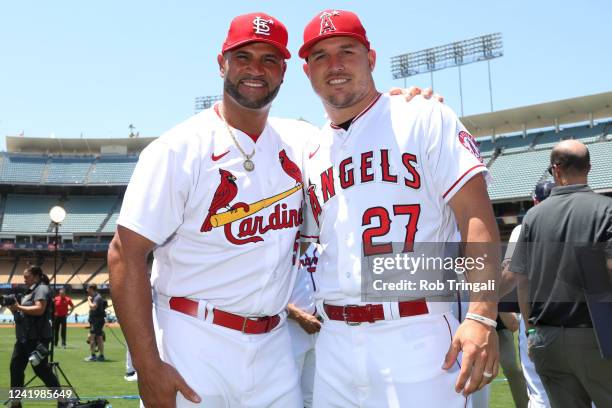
(290, 167)
(225, 193)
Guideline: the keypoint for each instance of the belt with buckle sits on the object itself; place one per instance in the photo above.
(354, 315)
(246, 325)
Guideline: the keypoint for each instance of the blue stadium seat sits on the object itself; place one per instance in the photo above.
(68, 170)
(28, 213)
(86, 213)
(601, 173)
(515, 175)
(24, 169)
(112, 170)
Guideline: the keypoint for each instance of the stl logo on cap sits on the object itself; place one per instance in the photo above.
(327, 25)
(256, 27)
(261, 26)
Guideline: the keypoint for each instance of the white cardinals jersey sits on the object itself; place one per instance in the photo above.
(223, 234)
(388, 179)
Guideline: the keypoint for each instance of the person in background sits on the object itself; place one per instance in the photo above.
(561, 338)
(97, 315)
(60, 314)
(507, 324)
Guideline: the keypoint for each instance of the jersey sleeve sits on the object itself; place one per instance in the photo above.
(41, 293)
(155, 199)
(520, 254)
(514, 236)
(453, 153)
(309, 231)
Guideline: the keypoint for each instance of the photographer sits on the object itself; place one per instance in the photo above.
(33, 330)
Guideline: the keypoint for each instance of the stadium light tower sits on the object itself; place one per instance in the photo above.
(205, 102)
(483, 48)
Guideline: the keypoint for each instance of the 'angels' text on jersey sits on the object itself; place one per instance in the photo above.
(388, 178)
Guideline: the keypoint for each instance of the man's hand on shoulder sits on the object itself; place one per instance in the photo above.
(158, 384)
(413, 91)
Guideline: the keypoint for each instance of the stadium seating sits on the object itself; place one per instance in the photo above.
(601, 169)
(111, 224)
(22, 169)
(68, 170)
(92, 267)
(112, 170)
(28, 213)
(515, 175)
(86, 213)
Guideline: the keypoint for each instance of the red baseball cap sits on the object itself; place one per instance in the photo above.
(257, 27)
(330, 23)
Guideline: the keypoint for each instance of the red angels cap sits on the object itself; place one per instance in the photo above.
(257, 27)
(329, 23)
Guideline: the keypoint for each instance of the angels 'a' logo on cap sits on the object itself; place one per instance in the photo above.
(327, 25)
(262, 26)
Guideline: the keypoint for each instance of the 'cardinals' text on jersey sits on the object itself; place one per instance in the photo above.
(224, 234)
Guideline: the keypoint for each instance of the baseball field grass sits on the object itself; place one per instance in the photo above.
(105, 379)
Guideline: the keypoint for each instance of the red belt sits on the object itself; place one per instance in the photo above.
(354, 315)
(246, 325)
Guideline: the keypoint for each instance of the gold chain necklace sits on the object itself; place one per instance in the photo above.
(248, 163)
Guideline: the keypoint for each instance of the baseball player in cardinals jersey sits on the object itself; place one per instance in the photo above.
(218, 199)
(303, 325)
(385, 172)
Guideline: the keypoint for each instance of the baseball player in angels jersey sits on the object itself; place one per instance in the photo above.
(218, 200)
(385, 172)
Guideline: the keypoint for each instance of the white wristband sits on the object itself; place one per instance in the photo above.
(484, 320)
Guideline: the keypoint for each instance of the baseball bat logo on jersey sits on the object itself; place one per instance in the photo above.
(251, 228)
(469, 143)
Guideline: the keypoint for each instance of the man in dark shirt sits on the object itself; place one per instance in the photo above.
(97, 315)
(562, 341)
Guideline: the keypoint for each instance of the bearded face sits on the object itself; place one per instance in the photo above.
(253, 74)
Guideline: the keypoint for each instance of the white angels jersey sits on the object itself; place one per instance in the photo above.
(387, 179)
(223, 234)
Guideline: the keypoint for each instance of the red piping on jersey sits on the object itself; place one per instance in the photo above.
(253, 137)
(308, 236)
(460, 178)
(361, 114)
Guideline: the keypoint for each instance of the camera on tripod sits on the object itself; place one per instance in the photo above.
(9, 300)
(38, 355)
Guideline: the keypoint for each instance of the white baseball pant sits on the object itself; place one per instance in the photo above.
(226, 368)
(303, 345)
(393, 363)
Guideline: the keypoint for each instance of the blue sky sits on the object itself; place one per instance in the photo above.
(92, 68)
